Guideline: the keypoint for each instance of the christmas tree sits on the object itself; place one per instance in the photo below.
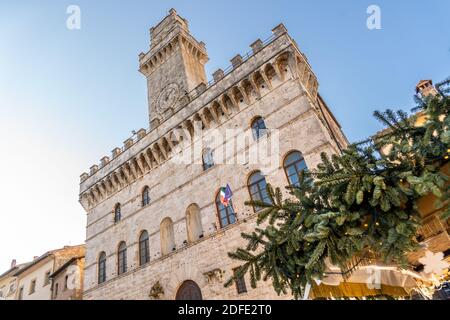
(354, 205)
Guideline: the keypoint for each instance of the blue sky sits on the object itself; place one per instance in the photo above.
(69, 97)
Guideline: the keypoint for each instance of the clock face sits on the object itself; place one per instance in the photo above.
(168, 97)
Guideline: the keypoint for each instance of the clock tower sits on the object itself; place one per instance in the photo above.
(174, 66)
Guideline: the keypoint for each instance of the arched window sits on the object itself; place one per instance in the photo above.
(226, 213)
(102, 267)
(194, 223)
(122, 258)
(257, 187)
(259, 128)
(167, 236)
(145, 196)
(208, 158)
(144, 250)
(293, 165)
(117, 213)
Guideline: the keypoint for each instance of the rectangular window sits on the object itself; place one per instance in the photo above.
(32, 286)
(20, 297)
(65, 282)
(47, 279)
(241, 287)
(56, 291)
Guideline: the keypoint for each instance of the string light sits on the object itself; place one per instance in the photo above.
(377, 223)
(366, 225)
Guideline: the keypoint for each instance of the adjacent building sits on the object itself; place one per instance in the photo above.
(162, 212)
(8, 282)
(434, 233)
(33, 279)
(67, 280)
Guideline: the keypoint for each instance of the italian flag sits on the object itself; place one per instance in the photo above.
(225, 195)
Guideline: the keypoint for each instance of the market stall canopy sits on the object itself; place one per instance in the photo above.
(365, 281)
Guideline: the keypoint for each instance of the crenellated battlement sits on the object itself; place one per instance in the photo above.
(244, 81)
(115, 153)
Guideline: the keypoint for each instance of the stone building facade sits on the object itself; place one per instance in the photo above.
(156, 227)
(67, 280)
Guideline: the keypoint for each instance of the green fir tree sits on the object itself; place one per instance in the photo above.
(358, 204)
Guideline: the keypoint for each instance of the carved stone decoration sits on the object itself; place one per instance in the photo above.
(214, 275)
(168, 98)
(156, 291)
